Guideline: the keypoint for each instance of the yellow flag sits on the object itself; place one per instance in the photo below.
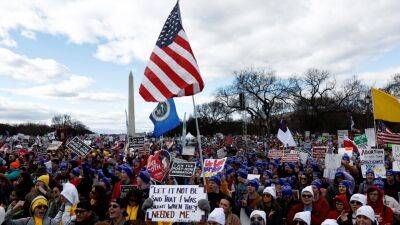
(386, 107)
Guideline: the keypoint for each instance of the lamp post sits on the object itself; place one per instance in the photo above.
(367, 102)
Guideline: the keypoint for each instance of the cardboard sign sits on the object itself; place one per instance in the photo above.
(275, 154)
(136, 143)
(176, 203)
(54, 145)
(188, 150)
(319, 152)
(332, 163)
(221, 153)
(213, 166)
(373, 159)
(158, 165)
(290, 157)
(253, 176)
(125, 189)
(370, 133)
(341, 134)
(78, 146)
(182, 169)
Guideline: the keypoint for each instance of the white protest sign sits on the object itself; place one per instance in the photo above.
(176, 203)
(54, 145)
(221, 153)
(332, 163)
(303, 157)
(188, 150)
(396, 152)
(370, 133)
(213, 166)
(253, 176)
(373, 159)
(341, 134)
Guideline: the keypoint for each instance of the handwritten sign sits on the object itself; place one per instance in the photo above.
(290, 157)
(176, 203)
(319, 152)
(136, 143)
(396, 152)
(182, 169)
(373, 159)
(213, 166)
(78, 146)
(275, 154)
(341, 134)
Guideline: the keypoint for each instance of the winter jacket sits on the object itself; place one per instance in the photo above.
(274, 213)
(318, 214)
(392, 203)
(13, 174)
(379, 208)
(232, 219)
(30, 221)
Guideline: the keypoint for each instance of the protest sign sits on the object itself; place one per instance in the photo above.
(78, 147)
(136, 143)
(303, 157)
(253, 176)
(125, 189)
(275, 154)
(176, 203)
(188, 150)
(290, 157)
(213, 166)
(341, 134)
(396, 157)
(158, 165)
(332, 163)
(373, 159)
(307, 134)
(361, 140)
(370, 133)
(54, 145)
(221, 153)
(318, 152)
(182, 169)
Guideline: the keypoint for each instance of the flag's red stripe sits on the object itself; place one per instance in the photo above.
(146, 94)
(189, 90)
(157, 83)
(168, 71)
(184, 44)
(184, 63)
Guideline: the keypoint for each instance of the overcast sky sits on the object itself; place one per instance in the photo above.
(74, 57)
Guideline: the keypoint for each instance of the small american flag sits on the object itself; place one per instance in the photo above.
(172, 69)
(386, 136)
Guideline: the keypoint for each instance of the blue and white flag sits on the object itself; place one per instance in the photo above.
(164, 117)
(285, 136)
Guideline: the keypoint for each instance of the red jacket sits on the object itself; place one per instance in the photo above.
(379, 208)
(319, 211)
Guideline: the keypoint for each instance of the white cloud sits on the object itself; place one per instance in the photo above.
(17, 112)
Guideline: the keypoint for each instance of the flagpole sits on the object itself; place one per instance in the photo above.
(373, 118)
(199, 142)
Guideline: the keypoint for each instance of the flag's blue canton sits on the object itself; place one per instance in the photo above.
(171, 28)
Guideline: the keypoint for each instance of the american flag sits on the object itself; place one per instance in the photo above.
(386, 136)
(172, 69)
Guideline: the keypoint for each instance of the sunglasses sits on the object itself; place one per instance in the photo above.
(114, 206)
(355, 202)
(254, 218)
(306, 196)
(41, 207)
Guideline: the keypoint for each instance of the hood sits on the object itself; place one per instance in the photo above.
(70, 193)
(343, 199)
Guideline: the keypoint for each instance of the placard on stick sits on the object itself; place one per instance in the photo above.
(136, 143)
(78, 146)
(319, 152)
(182, 169)
(176, 203)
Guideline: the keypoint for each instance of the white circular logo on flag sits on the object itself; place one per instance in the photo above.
(162, 111)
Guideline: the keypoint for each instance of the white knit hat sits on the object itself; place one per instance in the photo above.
(2, 214)
(308, 189)
(271, 191)
(359, 198)
(259, 213)
(367, 211)
(329, 222)
(304, 216)
(217, 215)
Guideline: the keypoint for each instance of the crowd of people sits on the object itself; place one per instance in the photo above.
(62, 187)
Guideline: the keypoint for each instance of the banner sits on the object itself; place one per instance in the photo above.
(78, 147)
(213, 166)
(373, 159)
(290, 157)
(158, 165)
(182, 169)
(341, 134)
(176, 203)
(370, 132)
(319, 152)
(275, 154)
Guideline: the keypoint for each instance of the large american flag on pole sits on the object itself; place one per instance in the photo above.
(386, 136)
(172, 69)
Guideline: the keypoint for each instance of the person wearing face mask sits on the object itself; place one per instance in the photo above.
(349, 218)
(258, 217)
(38, 209)
(366, 216)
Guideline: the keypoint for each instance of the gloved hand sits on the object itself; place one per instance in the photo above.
(204, 205)
(147, 204)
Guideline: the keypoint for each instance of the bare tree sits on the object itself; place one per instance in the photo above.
(393, 86)
(351, 96)
(265, 95)
(214, 111)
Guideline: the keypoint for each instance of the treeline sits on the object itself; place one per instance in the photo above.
(63, 125)
(315, 101)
